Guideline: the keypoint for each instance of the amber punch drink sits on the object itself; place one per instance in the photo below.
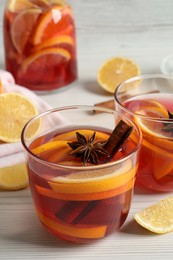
(40, 43)
(82, 174)
(149, 101)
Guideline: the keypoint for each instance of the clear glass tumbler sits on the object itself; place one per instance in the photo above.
(76, 197)
(148, 100)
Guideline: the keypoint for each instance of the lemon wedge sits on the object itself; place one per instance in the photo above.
(157, 218)
(14, 177)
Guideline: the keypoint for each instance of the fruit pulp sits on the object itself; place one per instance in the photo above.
(68, 204)
(155, 170)
(40, 46)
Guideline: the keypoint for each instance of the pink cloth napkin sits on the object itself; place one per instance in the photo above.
(12, 153)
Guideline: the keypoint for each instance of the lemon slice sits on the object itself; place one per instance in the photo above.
(20, 34)
(157, 218)
(15, 111)
(19, 5)
(14, 177)
(114, 71)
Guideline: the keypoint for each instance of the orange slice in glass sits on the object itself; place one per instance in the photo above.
(49, 56)
(154, 139)
(22, 27)
(96, 180)
(55, 21)
(86, 196)
(71, 230)
(152, 129)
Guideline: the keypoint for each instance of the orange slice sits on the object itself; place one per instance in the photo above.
(157, 218)
(87, 133)
(49, 146)
(19, 5)
(71, 230)
(85, 196)
(22, 27)
(54, 151)
(114, 71)
(54, 41)
(152, 129)
(152, 110)
(49, 56)
(96, 180)
(162, 165)
(53, 22)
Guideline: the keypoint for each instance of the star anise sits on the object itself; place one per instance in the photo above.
(168, 127)
(88, 150)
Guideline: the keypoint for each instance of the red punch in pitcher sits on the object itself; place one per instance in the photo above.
(40, 43)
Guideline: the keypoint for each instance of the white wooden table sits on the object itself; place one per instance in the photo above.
(143, 31)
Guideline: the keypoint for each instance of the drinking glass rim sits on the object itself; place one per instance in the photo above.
(79, 168)
(143, 117)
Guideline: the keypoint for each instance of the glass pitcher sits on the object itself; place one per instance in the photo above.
(40, 43)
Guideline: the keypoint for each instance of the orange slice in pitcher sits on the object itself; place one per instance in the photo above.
(61, 40)
(22, 27)
(41, 3)
(49, 56)
(54, 21)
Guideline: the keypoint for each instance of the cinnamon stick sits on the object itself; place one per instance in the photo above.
(118, 136)
(106, 104)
